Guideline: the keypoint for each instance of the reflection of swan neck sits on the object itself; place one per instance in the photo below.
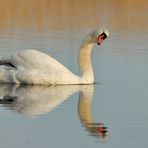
(85, 64)
(84, 105)
(84, 111)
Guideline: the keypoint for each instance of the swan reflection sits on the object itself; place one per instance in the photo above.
(84, 110)
(34, 100)
(37, 100)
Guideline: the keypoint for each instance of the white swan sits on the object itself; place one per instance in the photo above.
(34, 67)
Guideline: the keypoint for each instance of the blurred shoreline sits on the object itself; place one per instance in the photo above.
(123, 15)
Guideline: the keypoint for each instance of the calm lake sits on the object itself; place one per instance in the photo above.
(74, 116)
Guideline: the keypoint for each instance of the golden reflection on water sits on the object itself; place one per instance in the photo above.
(39, 15)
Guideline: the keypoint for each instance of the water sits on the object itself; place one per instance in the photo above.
(60, 116)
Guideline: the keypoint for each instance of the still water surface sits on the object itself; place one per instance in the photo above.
(73, 116)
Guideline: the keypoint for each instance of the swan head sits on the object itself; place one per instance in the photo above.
(102, 35)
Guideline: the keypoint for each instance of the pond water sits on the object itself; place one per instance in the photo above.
(75, 116)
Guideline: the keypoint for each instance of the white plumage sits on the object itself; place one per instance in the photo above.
(34, 67)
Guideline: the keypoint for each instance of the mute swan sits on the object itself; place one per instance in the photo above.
(34, 67)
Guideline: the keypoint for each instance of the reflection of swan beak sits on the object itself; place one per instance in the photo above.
(98, 130)
(103, 131)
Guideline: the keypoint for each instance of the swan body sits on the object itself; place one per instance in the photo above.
(34, 67)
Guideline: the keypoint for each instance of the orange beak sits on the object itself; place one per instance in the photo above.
(100, 39)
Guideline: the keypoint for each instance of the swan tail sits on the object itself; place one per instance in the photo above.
(6, 63)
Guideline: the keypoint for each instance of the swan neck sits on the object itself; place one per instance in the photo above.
(85, 62)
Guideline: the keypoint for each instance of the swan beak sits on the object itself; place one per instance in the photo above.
(101, 37)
